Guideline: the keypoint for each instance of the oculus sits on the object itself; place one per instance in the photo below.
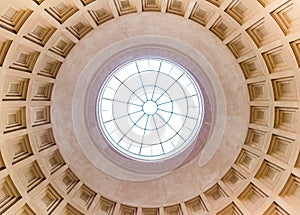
(150, 109)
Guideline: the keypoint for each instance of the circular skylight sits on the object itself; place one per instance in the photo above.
(150, 109)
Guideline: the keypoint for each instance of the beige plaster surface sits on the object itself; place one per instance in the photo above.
(220, 76)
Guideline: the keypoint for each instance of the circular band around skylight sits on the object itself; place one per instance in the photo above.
(150, 109)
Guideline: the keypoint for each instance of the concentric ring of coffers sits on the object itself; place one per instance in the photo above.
(150, 108)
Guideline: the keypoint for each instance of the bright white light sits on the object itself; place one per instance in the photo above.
(150, 109)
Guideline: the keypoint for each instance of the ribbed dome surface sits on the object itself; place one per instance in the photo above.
(54, 57)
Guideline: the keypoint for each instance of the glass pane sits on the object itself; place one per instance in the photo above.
(150, 109)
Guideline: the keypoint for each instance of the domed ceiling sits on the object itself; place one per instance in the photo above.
(54, 58)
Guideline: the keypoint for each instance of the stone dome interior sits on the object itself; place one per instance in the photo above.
(54, 54)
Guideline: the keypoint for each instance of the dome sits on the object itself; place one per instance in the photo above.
(149, 107)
